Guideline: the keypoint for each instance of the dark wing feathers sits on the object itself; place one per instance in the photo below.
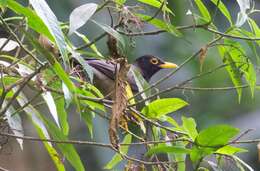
(108, 69)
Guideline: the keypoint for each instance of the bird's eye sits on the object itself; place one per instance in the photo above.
(154, 61)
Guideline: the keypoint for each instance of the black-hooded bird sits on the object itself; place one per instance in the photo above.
(104, 71)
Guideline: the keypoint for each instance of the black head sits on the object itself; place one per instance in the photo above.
(148, 65)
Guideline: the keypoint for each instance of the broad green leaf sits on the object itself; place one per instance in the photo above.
(34, 21)
(36, 119)
(216, 135)
(230, 150)
(141, 83)
(203, 10)
(161, 107)
(15, 123)
(160, 24)
(189, 125)
(48, 17)
(117, 157)
(156, 4)
(197, 153)
(167, 149)
(80, 15)
(112, 32)
(223, 9)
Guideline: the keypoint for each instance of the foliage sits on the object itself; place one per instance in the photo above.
(46, 67)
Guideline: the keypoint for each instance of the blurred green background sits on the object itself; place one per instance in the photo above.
(207, 107)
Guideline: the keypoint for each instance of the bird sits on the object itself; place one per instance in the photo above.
(104, 71)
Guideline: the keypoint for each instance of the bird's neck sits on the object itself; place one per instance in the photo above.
(146, 75)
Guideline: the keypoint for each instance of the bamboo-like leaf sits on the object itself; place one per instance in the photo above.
(160, 24)
(156, 4)
(111, 31)
(80, 15)
(36, 119)
(34, 21)
(203, 10)
(15, 123)
(117, 157)
(48, 17)
(223, 9)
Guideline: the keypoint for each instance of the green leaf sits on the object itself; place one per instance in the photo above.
(34, 21)
(48, 17)
(141, 83)
(223, 9)
(88, 116)
(189, 125)
(239, 65)
(156, 4)
(160, 24)
(112, 32)
(167, 149)
(36, 119)
(216, 135)
(197, 153)
(80, 15)
(161, 107)
(117, 157)
(67, 149)
(87, 68)
(93, 46)
(120, 2)
(203, 10)
(230, 150)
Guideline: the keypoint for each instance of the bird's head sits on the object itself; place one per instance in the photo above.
(148, 65)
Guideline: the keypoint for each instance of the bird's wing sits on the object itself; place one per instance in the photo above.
(108, 69)
(105, 67)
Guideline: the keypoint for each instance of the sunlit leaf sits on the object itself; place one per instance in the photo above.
(156, 4)
(161, 107)
(80, 15)
(242, 16)
(203, 10)
(189, 125)
(230, 150)
(123, 149)
(216, 135)
(9, 46)
(47, 96)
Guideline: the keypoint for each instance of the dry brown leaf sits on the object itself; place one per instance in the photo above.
(120, 101)
(48, 45)
(202, 56)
